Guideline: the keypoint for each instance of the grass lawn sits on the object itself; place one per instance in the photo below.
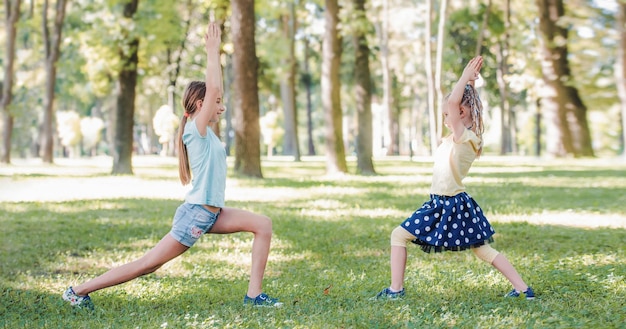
(561, 223)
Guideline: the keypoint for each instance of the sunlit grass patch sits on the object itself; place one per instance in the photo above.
(560, 223)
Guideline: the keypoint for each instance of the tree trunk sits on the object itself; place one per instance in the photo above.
(574, 137)
(392, 144)
(246, 92)
(288, 87)
(331, 87)
(52, 53)
(363, 87)
(483, 27)
(620, 70)
(309, 105)
(12, 12)
(428, 66)
(441, 34)
(125, 104)
(501, 73)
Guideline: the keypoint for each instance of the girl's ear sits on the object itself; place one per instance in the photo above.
(198, 104)
(463, 111)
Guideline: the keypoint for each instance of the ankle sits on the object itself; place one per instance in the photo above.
(79, 292)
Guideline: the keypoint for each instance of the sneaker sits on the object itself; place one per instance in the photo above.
(77, 301)
(529, 293)
(262, 300)
(389, 295)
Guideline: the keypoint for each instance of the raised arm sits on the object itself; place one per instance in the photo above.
(455, 113)
(213, 79)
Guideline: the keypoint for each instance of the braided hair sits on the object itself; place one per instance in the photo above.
(471, 101)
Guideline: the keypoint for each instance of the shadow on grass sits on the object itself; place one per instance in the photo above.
(570, 268)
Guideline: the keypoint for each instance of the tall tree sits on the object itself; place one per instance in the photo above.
(430, 79)
(363, 82)
(12, 12)
(331, 86)
(502, 72)
(174, 52)
(126, 84)
(441, 33)
(307, 78)
(52, 42)
(620, 70)
(246, 91)
(288, 84)
(388, 101)
(563, 98)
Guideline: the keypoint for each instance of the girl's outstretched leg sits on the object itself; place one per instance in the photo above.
(503, 265)
(163, 252)
(167, 249)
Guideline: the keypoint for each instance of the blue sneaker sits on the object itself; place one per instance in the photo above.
(529, 293)
(388, 294)
(77, 301)
(262, 300)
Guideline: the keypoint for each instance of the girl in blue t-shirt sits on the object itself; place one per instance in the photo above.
(200, 153)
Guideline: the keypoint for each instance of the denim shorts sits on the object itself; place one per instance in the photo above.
(190, 222)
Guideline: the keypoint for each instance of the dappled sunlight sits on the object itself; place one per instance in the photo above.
(343, 212)
(585, 260)
(550, 181)
(364, 253)
(573, 218)
(285, 194)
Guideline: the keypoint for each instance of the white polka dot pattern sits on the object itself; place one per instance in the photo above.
(433, 230)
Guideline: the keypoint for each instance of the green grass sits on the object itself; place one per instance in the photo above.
(328, 231)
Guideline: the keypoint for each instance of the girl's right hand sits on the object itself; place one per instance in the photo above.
(213, 37)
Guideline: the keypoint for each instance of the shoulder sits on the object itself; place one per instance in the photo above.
(469, 138)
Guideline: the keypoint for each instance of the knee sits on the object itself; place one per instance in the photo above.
(400, 237)
(264, 226)
(486, 253)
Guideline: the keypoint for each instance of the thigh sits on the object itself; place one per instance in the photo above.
(167, 249)
(232, 220)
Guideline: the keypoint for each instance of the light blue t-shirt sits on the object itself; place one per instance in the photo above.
(207, 160)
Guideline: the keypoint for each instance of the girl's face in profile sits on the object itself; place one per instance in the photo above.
(445, 114)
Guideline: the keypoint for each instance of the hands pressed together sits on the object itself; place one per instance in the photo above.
(472, 69)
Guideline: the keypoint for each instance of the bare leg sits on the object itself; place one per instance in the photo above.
(398, 266)
(503, 265)
(233, 220)
(167, 249)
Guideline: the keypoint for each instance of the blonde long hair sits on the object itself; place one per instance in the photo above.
(195, 91)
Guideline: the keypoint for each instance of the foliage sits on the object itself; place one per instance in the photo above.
(90, 130)
(69, 128)
(165, 124)
(330, 233)
(89, 63)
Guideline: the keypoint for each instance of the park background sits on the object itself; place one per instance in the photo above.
(333, 112)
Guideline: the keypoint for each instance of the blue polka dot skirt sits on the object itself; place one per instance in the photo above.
(452, 223)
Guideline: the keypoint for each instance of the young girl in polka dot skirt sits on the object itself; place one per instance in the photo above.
(451, 220)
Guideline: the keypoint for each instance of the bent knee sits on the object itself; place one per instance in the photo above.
(264, 225)
(486, 253)
(400, 237)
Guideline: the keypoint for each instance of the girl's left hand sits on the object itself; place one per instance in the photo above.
(472, 69)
